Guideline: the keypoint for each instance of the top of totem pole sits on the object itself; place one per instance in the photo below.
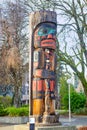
(41, 17)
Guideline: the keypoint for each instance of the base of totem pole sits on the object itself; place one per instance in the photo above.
(55, 127)
(47, 120)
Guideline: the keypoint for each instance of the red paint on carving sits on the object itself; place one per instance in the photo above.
(52, 85)
(48, 43)
(39, 85)
(34, 85)
(50, 36)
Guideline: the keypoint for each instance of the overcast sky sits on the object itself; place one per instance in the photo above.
(3, 1)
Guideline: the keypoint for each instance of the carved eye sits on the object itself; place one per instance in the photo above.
(43, 31)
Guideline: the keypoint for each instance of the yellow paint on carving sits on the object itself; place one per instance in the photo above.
(38, 106)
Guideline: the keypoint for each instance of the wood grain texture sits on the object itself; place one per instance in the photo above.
(42, 16)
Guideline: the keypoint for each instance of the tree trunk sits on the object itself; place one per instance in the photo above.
(84, 84)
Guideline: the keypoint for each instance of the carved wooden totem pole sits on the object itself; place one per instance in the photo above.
(43, 27)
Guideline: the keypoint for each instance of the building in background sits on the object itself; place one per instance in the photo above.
(78, 85)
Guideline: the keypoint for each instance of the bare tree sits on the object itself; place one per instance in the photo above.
(74, 32)
(15, 44)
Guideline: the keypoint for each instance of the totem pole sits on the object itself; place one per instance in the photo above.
(43, 27)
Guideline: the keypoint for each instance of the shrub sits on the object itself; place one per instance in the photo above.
(77, 101)
(12, 111)
(3, 112)
(81, 111)
(25, 105)
(5, 101)
(23, 111)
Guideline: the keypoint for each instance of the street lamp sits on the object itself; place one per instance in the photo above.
(69, 81)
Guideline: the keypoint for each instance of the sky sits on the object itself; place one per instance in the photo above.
(3, 1)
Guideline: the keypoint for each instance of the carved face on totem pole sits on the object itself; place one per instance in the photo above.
(45, 36)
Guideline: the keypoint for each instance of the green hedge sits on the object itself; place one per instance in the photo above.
(7, 110)
(12, 111)
(22, 111)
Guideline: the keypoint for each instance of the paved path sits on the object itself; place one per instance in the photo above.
(5, 124)
(75, 121)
